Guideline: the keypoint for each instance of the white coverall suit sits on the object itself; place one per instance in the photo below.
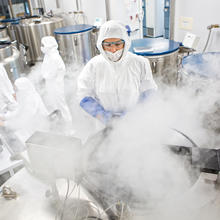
(115, 86)
(53, 71)
(31, 113)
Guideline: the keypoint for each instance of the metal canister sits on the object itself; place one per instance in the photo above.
(3, 33)
(10, 24)
(76, 43)
(11, 59)
(31, 30)
(162, 54)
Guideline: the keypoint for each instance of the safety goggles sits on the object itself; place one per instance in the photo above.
(117, 44)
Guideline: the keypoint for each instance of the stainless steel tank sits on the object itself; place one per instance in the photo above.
(10, 24)
(76, 43)
(3, 33)
(12, 60)
(163, 57)
(30, 31)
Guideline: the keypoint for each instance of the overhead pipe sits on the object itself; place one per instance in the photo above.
(58, 3)
(107, 10)
(30, 7)
(77, 5)
(11, 8)
(210, 27)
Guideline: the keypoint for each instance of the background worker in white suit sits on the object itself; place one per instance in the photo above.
(53, 71)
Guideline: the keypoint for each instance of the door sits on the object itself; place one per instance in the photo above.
(156, 22)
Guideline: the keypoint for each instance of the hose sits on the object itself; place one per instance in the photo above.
(207, 41)
(210, 27)
(188, 138)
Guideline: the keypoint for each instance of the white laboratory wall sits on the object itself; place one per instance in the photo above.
(118, 11)
(196, 15)
(126, 11)
(65, 5)
(50, 5)
(91, 8)
(94, 9)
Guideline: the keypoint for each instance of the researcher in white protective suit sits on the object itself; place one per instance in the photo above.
(53, 71)
(7, 93)
(113, 82)
(31, 114)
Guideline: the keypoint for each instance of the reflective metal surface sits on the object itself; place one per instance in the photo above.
(5, 51)
(12, 60)
(165, 66)
(3, 34)
(10, 25)
(162, 54)
(31, 30)
(76, 47)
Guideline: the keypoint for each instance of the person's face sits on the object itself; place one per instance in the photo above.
(113, 44)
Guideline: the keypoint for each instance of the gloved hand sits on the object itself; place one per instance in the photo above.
(146, 95)
(118, 114)
(104, 117)
(108, 116)
(91, 106)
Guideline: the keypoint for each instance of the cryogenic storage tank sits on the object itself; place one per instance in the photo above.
(162, 54)
(10, 24)
(12, 60)
(3, 33)
(206, 65)
(76, 43)
(30, 31)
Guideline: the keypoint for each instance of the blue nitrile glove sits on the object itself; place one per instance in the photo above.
(91, 106)
(146, 95)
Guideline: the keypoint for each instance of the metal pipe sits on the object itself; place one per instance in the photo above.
(77, 5)
(172, 18)
(11, 9)
(210, 27)
(58, 3)
(107, 10)
(30, 7)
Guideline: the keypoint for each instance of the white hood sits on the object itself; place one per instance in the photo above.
(113, 29)
(31, 114)
(23, 87)
(48, 43)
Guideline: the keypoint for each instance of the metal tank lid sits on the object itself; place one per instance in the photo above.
(8, 20)
(153, 46)
(4, 44)
(2, 27)
(35, 20)
(74, 29)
